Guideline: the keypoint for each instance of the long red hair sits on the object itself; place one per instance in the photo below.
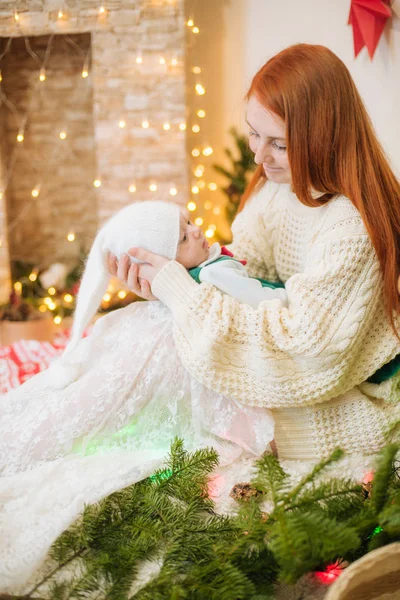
(332, 148)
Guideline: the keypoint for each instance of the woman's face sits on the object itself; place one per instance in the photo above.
(267, 138)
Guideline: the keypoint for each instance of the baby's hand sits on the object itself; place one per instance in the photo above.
(127, 273)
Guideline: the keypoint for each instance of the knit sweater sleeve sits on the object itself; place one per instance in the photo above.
(256, 221)
(333, 335)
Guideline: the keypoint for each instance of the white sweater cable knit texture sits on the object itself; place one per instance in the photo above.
(307, 361)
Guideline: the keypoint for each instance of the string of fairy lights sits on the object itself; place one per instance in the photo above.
(194, 120)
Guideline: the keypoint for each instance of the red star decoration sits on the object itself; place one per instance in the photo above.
(368, 18)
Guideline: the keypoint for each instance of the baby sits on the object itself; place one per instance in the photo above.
(162, 228)
(218, 266)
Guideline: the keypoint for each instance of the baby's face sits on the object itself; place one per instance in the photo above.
(193, 248)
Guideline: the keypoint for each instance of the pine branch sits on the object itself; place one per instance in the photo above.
(316, 471)
(382, 477)
(75, 556)
(336, 497)
(170, 516)
(270, 477)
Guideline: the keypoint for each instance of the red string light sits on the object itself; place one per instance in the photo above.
(330, 574)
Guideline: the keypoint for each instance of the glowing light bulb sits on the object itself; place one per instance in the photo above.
(35, 192)
(208, 205)
(52, 306)
(166, 126)
(208, 151)
(213, 227)
(153, 187)
(18, 287)
(139, 60)
(196, 70)
(196, 30)
(68, 298)
(97, 183)
(198, 221)
(60, 14)
(107, 297)
(331, 573)
(199, 170)
(63, 135)
(1, 198)
(191, 206)
(209, 233)
(195, 189)
(57, 320)
(161, 60)
(145, 124)
(20, 137)
(195, 152)
(71, 237)
(102, 10)
(1, 76)
(32, 276)
(122, 294)
(201, 113)
(182, 126)
(201, 184)
(212, 186)
(48, 301)
(190, 23)
(42, 308)
(196, 128)
(173, 191)
(85, 73)
(174, 62)
(217, 210)
(200, 91)
(16, 16)
(121, 124)
(42, 74)
(132, 188)
(51, 291)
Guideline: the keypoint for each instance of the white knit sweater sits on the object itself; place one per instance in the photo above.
(308, 361)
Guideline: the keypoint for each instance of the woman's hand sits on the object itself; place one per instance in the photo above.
(137, 278)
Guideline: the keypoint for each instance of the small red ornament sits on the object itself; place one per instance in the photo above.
(368, 18)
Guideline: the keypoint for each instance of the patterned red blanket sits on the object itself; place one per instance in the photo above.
(25, 358)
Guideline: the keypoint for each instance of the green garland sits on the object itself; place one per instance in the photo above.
(170, 517)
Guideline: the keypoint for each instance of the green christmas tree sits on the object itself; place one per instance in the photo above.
(239, 172)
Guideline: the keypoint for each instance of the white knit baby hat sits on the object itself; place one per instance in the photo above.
(152, 225)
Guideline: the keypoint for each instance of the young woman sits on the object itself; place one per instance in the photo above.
(322, 214)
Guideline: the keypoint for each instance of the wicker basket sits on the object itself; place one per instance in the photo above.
(375, 576)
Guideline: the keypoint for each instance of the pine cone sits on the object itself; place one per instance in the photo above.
(366, 484)
(244, 491)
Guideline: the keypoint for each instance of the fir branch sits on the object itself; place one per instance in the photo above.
(51, 574)
(206, 555)
(335, 496)
(382, 477)
(270, 477)
(302, 542)
(316, 471)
